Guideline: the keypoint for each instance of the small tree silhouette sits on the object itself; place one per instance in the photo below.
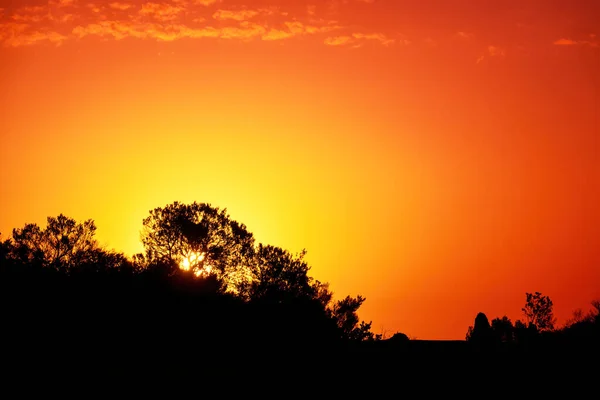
(480, 335)
(538, 311)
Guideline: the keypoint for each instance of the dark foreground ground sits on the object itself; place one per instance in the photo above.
(417, 369)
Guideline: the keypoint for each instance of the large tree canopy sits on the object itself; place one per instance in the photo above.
(201, 238)
(206, 241)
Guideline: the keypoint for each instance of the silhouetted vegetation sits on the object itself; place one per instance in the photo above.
(580, 335)
(203, 292)
(202, 281)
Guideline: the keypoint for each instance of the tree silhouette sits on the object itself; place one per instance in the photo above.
(63, 243)
(596, 311)
(201, 238)
(345, 313)
(278, 273)
(538, 311)
(480, 335)
(503, 329)
(469, 333)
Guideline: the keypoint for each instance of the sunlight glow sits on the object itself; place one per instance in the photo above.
(194, 262)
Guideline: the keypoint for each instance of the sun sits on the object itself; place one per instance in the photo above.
(194, 262)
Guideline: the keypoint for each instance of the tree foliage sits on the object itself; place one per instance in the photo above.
(538, 311)
(203, 238)
(277, 273)
(503, 329)
(209, 242)
(62, 243)
(345, 314)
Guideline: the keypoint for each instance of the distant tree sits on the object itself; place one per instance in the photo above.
(503, 329)
(5, 248)
(596, 310)
(469, 334)
(481, 335)
(578, 317)
(201, 238)
(399, 337)
(538, 311)
(63, 243)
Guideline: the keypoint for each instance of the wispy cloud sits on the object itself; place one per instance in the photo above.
(59, 21)
(120, 6)
(380, 37)
(590, 41)
(359, 39)
(338, 40)
(16, 35)
(205, 3)
(236, 15)
(491, 51)
(62, 3)
(463, 35)
(161, 11)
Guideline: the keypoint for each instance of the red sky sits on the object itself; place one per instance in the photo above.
(440, 158)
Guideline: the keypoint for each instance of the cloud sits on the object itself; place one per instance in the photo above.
(32, 9)
(94, 8)
(463, 35)
(161, 11)
(246, 14)
(29, 18)
(240, 15)
(168, 20)
(358, 39)
(495, 51)
(246, 31)
(206, 3)
(17, 35)
(277, 34)
(338, 40)
(62, 3)
(62, 18)
(120, 6)
(491, 51)
(299, 28)
(380, 37)
(569, 42)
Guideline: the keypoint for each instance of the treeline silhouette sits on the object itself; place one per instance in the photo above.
(580, 335)
(204, 293)
(202, 286)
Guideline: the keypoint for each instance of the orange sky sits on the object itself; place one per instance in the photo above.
(440, 158)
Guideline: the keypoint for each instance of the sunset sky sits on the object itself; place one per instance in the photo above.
(440, 158)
